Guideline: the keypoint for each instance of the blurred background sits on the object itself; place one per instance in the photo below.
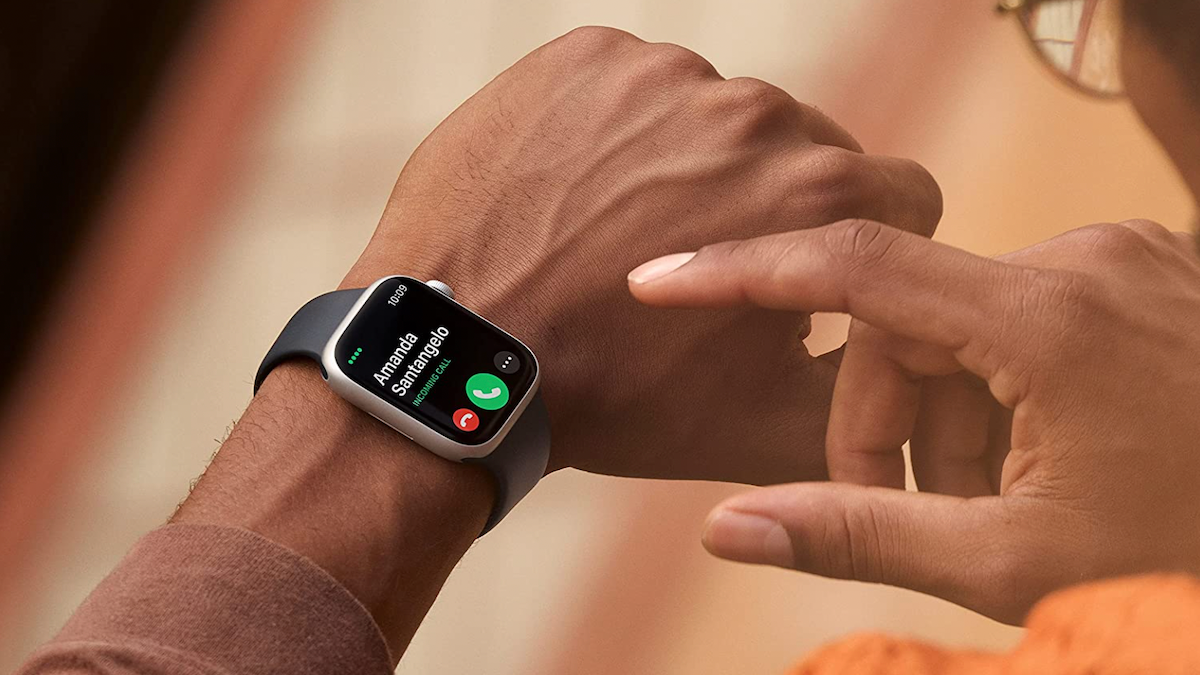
(256, 155)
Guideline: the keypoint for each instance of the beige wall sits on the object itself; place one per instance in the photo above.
(609, 570)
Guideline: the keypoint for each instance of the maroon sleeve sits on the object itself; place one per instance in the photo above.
(205, 599)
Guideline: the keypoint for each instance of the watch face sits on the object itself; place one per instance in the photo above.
(437, 361)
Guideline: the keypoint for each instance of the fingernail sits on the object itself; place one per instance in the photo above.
(659, 267)
(748, 537)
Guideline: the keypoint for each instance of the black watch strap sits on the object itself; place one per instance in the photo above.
(308, 330)
(517, 464)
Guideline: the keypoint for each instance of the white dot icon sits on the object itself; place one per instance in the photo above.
(507, 362)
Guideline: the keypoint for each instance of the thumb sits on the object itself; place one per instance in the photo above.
(946, 546)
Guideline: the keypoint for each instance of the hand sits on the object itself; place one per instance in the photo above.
(1052, 399)
(598, 151)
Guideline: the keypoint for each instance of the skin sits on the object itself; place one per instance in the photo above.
(1049, 396)
(531, 200)
(583, 160)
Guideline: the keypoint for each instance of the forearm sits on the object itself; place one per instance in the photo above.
(383, 516)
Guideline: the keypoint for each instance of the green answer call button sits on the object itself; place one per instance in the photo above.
(487, 391)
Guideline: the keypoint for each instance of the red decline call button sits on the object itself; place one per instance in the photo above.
(466, 419)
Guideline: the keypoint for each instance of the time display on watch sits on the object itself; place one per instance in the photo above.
(436, 360)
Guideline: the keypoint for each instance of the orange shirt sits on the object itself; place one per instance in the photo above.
(1135, 625)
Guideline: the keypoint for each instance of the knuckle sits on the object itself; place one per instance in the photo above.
(745, 109)
(836, 174)
(832, 186)
(1113, 241)
(923, 201)
(590, 41)
(1158, 238)
(861, 530)
(671, 62)
(850, 184)
(861, 243)
(751, 94)
(1148, 228)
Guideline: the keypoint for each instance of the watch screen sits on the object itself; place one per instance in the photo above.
(436, 360)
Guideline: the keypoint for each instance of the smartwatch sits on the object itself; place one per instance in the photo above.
(407, 354)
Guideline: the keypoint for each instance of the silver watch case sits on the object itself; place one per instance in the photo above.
(409, 426)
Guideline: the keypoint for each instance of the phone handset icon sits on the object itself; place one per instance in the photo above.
(487, 391)
(466, 419)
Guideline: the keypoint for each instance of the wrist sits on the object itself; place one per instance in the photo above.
(521, 293)
(385, 517)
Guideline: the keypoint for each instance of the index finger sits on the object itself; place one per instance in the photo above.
(893, 280)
